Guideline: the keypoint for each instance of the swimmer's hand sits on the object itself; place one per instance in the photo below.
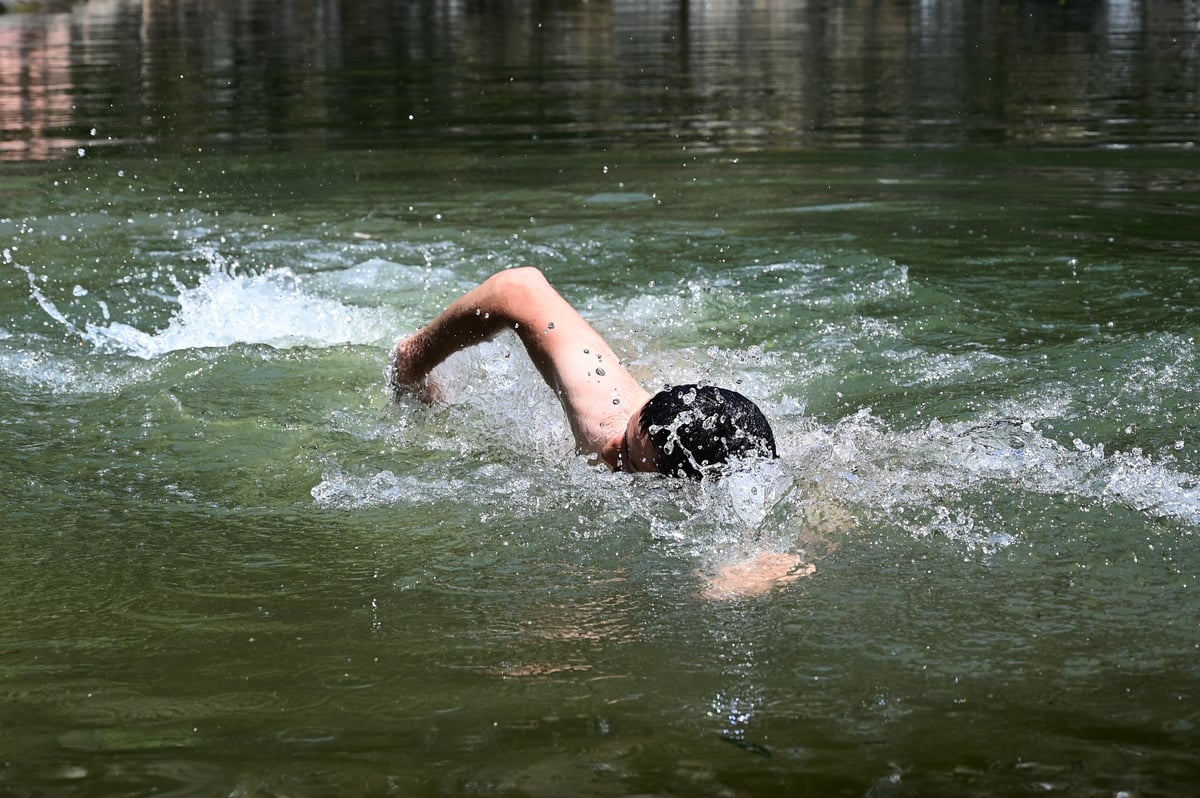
(403, 378)
(755, 576)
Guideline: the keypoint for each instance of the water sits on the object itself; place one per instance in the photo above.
(950, 249)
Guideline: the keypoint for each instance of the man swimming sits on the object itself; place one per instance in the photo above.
(687, 430)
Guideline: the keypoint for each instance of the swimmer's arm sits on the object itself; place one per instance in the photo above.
(597, 392)
(516, 299)
(471, 319)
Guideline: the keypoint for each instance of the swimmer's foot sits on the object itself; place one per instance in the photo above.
(755, 576)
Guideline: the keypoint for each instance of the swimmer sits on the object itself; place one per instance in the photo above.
(686, 430)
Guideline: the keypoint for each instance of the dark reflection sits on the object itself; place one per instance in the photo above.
(724, 74)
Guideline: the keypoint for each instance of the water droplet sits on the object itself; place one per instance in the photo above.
(599, 372)
(550, 326)
(616, 401)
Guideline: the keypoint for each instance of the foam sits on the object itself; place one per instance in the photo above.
(226, 308)
(929, 481)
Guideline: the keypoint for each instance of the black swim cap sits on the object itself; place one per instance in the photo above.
(698, 427)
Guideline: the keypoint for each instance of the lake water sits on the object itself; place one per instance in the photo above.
(950, 247)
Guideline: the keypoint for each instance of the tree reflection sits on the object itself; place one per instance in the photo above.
(725, 75)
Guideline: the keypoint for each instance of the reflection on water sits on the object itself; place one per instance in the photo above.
(778, 74)
(36, 93)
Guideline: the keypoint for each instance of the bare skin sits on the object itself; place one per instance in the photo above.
(601, 398)
(755, 576)
(599, 395)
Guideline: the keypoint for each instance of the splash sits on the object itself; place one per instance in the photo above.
(947, 479)
(276, 308)
(38, 296)
(343, 491)
(226, 308)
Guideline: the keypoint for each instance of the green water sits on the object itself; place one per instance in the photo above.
(950, 249)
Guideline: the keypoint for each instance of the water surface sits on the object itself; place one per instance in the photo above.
(949, 248)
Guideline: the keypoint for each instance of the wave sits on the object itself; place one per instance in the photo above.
(227, 307)
(946, 478)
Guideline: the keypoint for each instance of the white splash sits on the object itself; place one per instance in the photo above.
(226, 308)
(930, 481)
(339, 490)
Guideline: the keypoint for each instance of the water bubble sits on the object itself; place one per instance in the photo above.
(79, 290)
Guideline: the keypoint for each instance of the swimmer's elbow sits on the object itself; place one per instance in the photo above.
(515, 292)
(517, 281)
